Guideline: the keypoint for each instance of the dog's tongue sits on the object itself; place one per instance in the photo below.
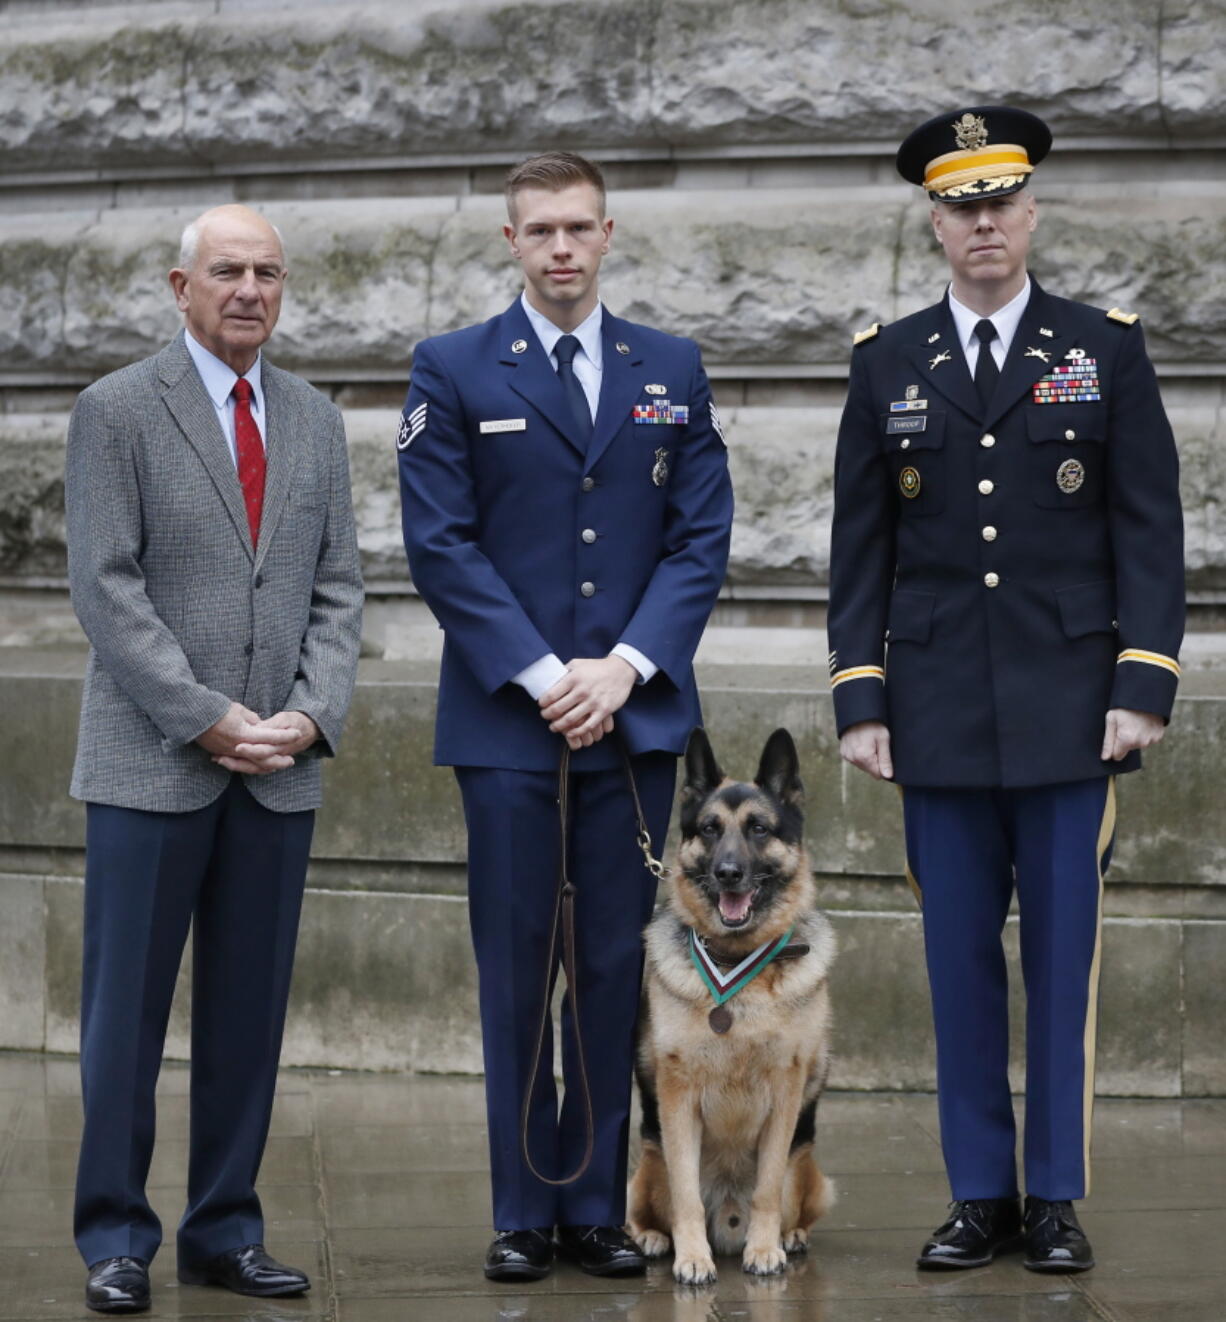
(734, 905)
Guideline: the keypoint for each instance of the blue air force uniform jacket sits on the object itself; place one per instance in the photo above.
(524, 542)
(999, 579)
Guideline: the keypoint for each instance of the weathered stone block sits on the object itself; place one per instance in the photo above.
(763, 278)
(22, 959)
(384, 982)
(161, 84)
(1204, 1006)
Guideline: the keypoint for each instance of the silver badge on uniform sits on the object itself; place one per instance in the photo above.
(656, 390)
(659, 473)
(622, 347)
(1070, 475)
(411, 426)
(520, 346)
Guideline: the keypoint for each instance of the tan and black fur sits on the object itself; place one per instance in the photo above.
(729, 1119)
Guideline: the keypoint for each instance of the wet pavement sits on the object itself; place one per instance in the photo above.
(376, 1184)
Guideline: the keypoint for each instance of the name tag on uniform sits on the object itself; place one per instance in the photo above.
(895, 425)
(504, 424)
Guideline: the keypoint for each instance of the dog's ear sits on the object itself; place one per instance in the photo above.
(779, 770)
(702, 771)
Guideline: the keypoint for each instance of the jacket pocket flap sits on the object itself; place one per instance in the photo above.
(1066, 422)
(913, 431)
(910, 618)
(1087, 608)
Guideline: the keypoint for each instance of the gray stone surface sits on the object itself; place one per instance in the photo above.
(22, 957)
(162, 83)
(778, 277)
(782, 465)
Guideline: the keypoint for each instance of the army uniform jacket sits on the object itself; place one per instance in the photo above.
(1022, 566)
(524, 542)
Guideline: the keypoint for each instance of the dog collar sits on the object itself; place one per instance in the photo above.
(723, 986)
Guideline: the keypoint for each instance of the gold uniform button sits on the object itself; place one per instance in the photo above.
(986, 487)
(992, 580)
(905, 443)
(588, 535)
(1070, 435)
(987, 441)
(989, 534)
(588, 589)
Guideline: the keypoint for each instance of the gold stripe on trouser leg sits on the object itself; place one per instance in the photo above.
(1106, 831)
(912, 880)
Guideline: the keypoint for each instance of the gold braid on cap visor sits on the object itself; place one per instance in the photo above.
(983, 171)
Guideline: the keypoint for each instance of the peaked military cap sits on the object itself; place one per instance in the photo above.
(981, 151)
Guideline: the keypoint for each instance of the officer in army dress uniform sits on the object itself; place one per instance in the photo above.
(567, 513)
(1007, 525)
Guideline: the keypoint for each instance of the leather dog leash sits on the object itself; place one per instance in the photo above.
(564, 922)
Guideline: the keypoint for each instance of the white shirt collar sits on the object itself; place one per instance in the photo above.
(587, 332)
(1004, 319)
(219, 377)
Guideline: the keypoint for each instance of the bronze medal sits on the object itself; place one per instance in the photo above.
(720, 1019)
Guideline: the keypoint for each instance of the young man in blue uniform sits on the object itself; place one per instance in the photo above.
(567, 513)
(1007, 525)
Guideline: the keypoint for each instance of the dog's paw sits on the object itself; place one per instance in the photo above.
(796, 1241)
(765, 1261)
(693, 1269)
(652, 1243)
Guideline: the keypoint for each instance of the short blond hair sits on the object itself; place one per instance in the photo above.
(553, 171)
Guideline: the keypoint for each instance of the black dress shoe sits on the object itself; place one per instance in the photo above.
(977, 1230)
(602, 1250)
(248, 1270)
(520, 1255)
(118, 1285)
(1055, 1242)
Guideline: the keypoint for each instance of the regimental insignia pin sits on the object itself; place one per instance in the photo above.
(942, 357)
(1044, 331)
(1070, 475)
(1032, 352)
(659, 473)
(934, 337)
(1074, 355)
(911, 392)
(520, 346)
(909, 483)
(622, 347)
(656, 390)
(970, 132)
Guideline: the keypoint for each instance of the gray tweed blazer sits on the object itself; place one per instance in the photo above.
(183, 617)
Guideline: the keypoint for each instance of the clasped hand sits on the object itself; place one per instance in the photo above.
(241, 741)
(581, 704)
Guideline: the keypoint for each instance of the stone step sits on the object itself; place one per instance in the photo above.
(781, 459)
(98, 90)
(384, 976)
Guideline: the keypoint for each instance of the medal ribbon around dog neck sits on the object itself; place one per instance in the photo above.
(723, 986)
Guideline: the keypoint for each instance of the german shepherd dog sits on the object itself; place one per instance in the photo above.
(729, 1094)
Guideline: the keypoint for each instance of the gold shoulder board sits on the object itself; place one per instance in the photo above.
(860, 336)
(1118, 314)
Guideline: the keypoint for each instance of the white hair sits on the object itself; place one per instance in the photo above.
(189, 243)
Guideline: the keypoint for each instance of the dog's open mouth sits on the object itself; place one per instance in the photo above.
(736, 906)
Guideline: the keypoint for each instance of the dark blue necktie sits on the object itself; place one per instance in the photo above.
(986, 372)
(565, 349)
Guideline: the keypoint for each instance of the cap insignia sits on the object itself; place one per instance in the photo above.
(970, 132)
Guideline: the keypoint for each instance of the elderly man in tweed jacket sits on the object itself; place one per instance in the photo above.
(214, 568)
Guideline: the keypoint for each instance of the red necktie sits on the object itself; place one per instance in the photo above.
(250, 456)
